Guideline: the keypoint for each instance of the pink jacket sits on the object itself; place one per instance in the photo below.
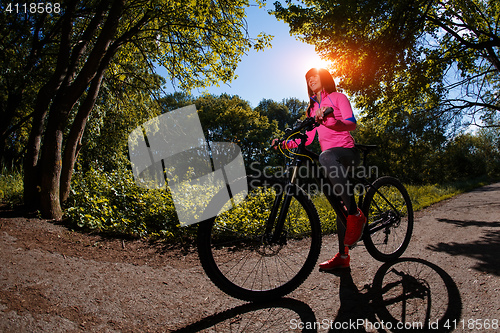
(334, 130)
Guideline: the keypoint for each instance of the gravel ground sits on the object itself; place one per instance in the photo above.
(56, 280)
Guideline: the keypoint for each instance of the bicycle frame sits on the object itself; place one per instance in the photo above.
(292, 178)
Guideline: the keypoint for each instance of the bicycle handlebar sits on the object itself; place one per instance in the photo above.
(308, 124)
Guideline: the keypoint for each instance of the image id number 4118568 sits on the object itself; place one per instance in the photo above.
(33, 8)
(473, 324)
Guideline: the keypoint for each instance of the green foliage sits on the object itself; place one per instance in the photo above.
(327, 215)
(410, 145)
(408, 52)
(57, 67)
(214, 30)
(111, 202)
(249, 217)
(231, 119)
(470, 156)
(21, 76)
(285, 113)
(228, 118)
(415, 148)
(11, 187)
(113, 118)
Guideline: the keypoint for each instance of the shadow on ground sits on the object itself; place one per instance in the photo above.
(485, 250)
(408, 294)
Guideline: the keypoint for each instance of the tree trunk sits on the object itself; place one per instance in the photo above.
(68, 95)
(73, 143)
(51, 165)
(32, 169)
(32, 177)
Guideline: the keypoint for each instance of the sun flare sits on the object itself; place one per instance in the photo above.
(316, 62)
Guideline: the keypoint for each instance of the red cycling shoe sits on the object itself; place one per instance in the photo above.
(339, 261)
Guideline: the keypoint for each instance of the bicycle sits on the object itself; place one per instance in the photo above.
(254, 251)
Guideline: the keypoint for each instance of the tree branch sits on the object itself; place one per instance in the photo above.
(88, 71)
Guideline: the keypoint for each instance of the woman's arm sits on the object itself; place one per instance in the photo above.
(347, 122)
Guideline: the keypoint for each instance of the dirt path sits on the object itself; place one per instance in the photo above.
(56, 280)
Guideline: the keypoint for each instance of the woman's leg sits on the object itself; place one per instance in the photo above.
(341, 234)
(338, 163)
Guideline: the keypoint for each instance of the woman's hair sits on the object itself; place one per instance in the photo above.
(327, 83)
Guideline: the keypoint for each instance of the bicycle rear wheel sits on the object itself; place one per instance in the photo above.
(389, 212)
(242, 261)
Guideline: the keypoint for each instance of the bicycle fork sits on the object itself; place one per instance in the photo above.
(282, 205)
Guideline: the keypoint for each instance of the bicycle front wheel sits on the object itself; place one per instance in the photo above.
(244, 262)
(389, 212)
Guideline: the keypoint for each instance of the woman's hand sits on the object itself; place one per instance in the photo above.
(275, 143)
(320, 114)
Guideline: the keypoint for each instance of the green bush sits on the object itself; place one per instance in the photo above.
(327, 215)
(11, 187)
(112, 202)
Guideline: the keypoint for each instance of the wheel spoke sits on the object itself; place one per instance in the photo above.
(390, 219)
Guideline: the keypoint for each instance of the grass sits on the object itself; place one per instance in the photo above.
(423, 196)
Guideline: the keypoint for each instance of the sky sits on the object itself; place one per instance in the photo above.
(275, 73)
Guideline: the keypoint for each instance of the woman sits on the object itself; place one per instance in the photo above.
(338, 154)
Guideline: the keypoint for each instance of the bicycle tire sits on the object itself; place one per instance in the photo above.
(430, 297)
(389, 212)
(276, 316)
(236, 258)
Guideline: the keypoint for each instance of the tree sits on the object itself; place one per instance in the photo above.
(410, 146)
(230, 119)
(464, 158)
(62, 57)
(285, 113)
(411, 49)
(296, 108)
(120, 108)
